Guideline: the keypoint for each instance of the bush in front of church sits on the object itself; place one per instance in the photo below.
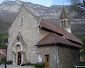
(2, 61)
(27, 64)
(9, 62)
(36, 65)
(40, 65)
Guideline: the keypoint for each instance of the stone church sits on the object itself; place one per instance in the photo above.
(36, 40)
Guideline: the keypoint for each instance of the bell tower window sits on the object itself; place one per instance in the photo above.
(62, 23)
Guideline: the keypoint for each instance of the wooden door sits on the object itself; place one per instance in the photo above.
(47, 60)
(19, 58)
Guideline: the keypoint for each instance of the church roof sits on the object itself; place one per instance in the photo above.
(56, 29)
(64, 14)
(53, 38)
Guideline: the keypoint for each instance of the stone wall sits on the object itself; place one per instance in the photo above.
(68, 56)
(42, 33)
(82, 58)
(50, 50)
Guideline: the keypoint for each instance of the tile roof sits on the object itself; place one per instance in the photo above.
(1, 56)
(53, 38)
(60, 30)
(2, 53)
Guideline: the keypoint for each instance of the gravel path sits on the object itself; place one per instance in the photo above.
(12, 66)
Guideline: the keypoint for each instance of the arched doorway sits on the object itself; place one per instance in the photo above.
(17, 53)
(18, 49)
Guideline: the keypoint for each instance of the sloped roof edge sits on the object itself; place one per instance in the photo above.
(54, 38)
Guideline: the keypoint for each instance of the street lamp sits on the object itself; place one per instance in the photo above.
(6, 44)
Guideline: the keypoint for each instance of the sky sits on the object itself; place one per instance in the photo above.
(46, 2)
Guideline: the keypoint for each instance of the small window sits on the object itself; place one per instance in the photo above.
(40, 58)
(21, 21)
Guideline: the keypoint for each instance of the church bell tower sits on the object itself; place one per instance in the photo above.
(65, 21)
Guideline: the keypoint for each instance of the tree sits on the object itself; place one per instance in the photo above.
(79, 7)
(3, 37)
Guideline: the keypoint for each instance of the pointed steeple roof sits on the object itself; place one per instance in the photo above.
(64, 14)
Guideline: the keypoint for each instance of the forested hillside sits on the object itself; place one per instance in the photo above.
(3, 37)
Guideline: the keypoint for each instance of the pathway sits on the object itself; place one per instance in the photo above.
(12, 66)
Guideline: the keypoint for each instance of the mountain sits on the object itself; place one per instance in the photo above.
(9, 10)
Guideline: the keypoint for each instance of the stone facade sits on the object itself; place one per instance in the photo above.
(68, 56)
(50, 50)
(25, 25)
(60, 56)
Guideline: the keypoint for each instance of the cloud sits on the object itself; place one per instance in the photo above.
(41, 2)
(1, 2)
(48, 3)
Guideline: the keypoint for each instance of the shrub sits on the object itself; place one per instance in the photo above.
(9, 62)
(2, 61)
(40, 65)
(22, 64)
(26, 64)
(80, 65)
(36, 65)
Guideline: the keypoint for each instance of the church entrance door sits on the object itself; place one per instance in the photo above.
(19, 58)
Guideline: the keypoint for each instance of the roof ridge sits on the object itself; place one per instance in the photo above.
(53, 36)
